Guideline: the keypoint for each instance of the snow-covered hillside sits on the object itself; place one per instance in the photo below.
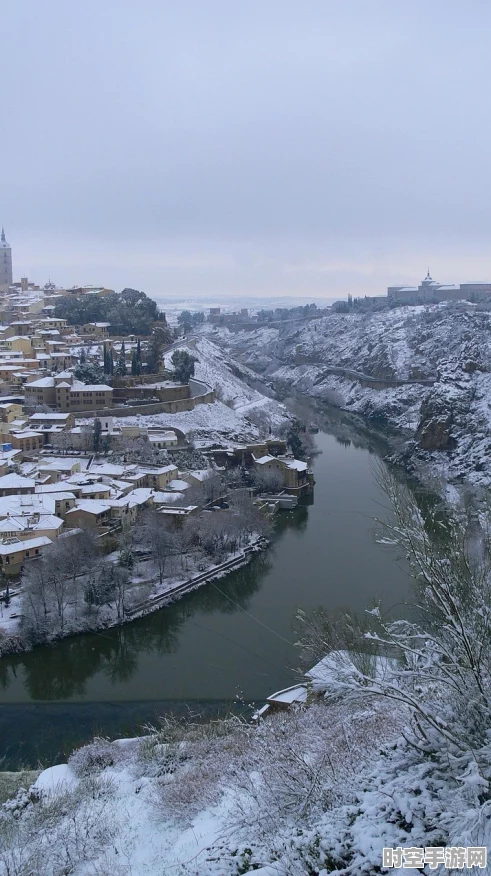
(219, 799)
(446, 425)
(240, 414)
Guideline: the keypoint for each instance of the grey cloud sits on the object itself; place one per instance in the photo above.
(225, 142)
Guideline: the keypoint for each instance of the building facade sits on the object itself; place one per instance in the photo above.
(431, 292)
(5, 263)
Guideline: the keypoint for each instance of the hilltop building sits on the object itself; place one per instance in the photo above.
(429, 292)
(5, 263)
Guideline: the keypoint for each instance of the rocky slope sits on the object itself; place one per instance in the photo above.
(441, 429)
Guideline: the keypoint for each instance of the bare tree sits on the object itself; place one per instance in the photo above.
(211, 534)
(60, 589)
(213, 486)
(248, 518)
(439, 663)
(73, 555)
(121, 578)
(184, 540)
(87, 436)
(36, 599)
(62, 441)
(268, 481)
(153, 534)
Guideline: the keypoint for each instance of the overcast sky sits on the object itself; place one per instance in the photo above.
(262, 147)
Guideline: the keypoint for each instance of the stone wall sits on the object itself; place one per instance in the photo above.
(133, 380)
(374, 382)
(163, 394)
(206, 396)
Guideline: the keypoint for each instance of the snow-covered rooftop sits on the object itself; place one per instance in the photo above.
(41, 383)
(296, 464)
(23, 522)
(9, 481)
(25, 545)
(91, 506)
(178, 484)
(49, 416)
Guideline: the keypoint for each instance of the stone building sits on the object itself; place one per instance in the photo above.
(292, 474)
(66, 394)
(431, 292)
(81, 396)
(5, 263)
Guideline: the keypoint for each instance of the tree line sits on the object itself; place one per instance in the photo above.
(75, 586)
(127, 312)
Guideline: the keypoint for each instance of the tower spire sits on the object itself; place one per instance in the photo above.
(3, 234)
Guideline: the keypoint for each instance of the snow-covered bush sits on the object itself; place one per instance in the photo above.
(192, 760)
(93, 758)
(434, 786)
(57, 830)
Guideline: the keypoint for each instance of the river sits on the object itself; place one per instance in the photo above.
(229, 643)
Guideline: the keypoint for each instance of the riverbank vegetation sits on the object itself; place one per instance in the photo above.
(156, 557)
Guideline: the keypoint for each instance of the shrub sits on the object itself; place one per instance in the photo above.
(93, 758)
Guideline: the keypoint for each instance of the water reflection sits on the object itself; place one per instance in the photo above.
(230, 638)
(61, 672)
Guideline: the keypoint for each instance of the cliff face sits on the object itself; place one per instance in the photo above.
(434, 430)
(447, 425)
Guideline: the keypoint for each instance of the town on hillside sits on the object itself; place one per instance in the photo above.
(92, 463)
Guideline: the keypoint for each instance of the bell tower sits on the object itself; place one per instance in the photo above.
(5, 263)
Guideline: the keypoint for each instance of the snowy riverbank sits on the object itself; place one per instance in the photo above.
(218, 799)
(157, 596)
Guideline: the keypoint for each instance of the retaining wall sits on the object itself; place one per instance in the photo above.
(375, 382)
(205, 395)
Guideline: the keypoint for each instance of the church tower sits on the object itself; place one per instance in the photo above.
(5, 263)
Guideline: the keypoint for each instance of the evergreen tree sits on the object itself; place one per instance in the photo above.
(83, 357)
(89, 373)
(111, 362)
(295, 442)
(97, 435)
(134, 365)
(183, 364)
(161, 336)
(186, 320)
(121, 363)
